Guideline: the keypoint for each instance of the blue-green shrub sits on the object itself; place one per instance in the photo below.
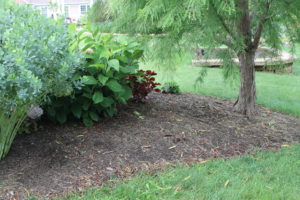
(35, 61)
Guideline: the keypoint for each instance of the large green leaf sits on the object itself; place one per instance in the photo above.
(94, 116)
(107, 102)
(88, 45)
(87, 121)
(114, 63)
(98, 66)
(61, 117)
(103, 52)
(129, 69)
(127, 92)
(97, 97)
(114, 85)
(76, 110)
(102, 79)
(86, 104)
(89, 80)
(138, 54)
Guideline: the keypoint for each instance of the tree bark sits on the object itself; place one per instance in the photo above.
(247, 97)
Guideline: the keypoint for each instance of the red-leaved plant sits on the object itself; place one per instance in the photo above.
(142, 84)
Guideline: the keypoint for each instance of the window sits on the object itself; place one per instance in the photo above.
(44, 11)
(67, 11)
(84, 9)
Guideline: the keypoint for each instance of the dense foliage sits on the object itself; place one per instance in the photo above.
(103, 81)
(142, 84)
(35, 60)
(171, 87)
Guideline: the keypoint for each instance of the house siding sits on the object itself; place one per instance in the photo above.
(74, 11)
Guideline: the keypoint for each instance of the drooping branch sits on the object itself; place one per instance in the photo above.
(262, 21)
(223, 22)
(227, 42)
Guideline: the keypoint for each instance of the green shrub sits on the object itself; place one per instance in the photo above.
(171, 87)
(35, 61)
(104, 79)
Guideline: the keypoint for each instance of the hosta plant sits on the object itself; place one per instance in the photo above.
(104, 81)
(35, 60)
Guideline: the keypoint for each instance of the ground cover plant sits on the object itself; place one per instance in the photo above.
(171, 87)
(35, 61)
(261, 175)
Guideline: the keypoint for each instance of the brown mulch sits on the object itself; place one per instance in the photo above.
(168, 128)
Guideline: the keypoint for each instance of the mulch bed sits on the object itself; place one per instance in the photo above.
(167, 129)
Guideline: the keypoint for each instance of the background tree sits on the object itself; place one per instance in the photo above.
(99, 12)
(238, 24)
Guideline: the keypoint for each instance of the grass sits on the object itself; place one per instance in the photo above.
(260, 175)
(280, 92)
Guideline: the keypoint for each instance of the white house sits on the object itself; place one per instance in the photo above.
(71, 9)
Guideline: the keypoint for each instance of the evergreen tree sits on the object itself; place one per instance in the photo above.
(238, 24)
(99, 12)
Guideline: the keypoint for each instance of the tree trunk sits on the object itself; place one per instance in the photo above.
(247, 97)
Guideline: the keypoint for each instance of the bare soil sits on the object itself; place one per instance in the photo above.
(186, 128)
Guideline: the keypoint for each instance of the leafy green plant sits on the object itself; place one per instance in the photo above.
(103, 81)
(28, 126)
(171, 87)
(35, 60)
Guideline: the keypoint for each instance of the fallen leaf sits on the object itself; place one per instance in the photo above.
(172, 147)
(57, 142)
(147, 146)
(226, 183)
(186, 178)
(160, 188)
(109, 169)
(178, 188)
(128, 170)
(203, 161)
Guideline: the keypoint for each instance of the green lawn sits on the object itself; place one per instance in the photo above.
(280, 92)
(263, 176)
